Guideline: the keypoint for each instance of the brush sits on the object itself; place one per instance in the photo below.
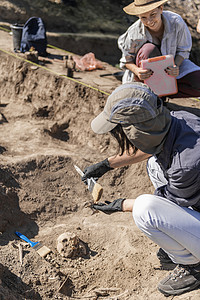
(37, 246)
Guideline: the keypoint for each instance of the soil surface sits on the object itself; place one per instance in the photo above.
(88, 25)
(45, 129)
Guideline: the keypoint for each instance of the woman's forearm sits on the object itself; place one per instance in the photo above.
(127, 205)
(132, 67)
(178, 60)
(142, 74)
(126, 159)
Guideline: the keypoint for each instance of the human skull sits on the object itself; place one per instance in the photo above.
(69, 245)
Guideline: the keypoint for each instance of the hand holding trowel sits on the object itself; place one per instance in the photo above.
(94, 187)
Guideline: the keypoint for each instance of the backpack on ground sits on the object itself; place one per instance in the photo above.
(34, 35)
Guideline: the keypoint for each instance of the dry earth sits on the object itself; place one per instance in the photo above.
(79, 26)
(45, 130)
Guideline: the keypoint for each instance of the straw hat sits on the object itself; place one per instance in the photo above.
(142, 6)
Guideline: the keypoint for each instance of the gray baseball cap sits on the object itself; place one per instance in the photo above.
(141, 113)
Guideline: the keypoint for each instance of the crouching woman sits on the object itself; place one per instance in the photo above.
(145, 129)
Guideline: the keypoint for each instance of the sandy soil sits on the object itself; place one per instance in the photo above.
(45, 130)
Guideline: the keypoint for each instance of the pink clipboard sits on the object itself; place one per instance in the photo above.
(160, 82)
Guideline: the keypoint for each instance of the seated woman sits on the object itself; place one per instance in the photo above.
(156, 33)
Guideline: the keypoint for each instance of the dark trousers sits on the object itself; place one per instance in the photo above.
(188, 86)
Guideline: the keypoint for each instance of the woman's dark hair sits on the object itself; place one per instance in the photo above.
(124, 144)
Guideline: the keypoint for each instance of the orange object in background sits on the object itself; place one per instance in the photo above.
(88, 62)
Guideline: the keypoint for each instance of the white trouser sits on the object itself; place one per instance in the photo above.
(174, 228)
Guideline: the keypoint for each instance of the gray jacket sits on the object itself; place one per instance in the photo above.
(180, 160)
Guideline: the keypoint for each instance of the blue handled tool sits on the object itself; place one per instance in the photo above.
(23, 237)
(37, 246)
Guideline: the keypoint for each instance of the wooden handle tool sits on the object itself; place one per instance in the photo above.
(95, 188)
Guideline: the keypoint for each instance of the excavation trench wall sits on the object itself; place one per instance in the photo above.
(44, 117)
(49, 96)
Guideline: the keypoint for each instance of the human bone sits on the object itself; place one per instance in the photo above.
(69, 245)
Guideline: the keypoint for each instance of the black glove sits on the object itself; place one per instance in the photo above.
(110, 207)
(97, 170)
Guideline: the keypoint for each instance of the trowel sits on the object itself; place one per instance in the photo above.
(95, 188)
(118, 75)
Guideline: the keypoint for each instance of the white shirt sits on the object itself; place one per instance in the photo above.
(176, 41)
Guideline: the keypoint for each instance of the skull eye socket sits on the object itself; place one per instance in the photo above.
(64, 241)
